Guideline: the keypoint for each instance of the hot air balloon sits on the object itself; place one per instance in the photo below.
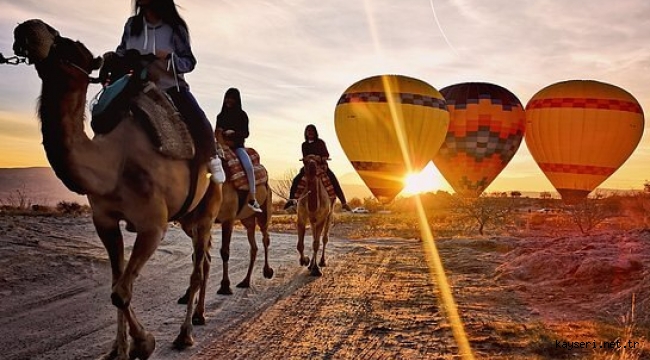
(486, 128)
(580, 132)
(388, 126)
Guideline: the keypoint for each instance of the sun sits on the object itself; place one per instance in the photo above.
(427, 180)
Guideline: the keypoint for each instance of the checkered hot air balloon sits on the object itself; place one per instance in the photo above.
(580, 132)
(389, 126)
(486, 129)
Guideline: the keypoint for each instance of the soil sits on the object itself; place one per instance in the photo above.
(517, 297)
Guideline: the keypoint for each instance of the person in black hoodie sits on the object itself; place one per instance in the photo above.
(232, 122)
(313, 145)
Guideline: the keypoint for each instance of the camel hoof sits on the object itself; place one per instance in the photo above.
(142, 349)
(118, 301)
(304, 261)
(183, 341)
(315, 271)
(322, 263)
(244, 284)
(268, 273)
(184, 299)
(224, 291)
(198, 319)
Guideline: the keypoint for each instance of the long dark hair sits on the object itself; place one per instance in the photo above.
(235, 94)
(166, 9)
(313, 127)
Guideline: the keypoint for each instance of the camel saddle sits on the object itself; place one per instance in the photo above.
(235, 171)
(322, 174)
(159, 117)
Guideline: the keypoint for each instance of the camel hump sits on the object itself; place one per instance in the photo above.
(235, 171)
(163, 123)
(153, 110)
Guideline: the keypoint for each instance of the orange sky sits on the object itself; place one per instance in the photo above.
(293, 59)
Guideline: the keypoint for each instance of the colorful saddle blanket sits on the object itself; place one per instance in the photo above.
(235, 172)
(322, 174)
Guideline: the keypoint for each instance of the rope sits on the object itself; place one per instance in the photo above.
(12, 60)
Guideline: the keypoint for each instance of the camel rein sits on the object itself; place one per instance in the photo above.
(16, 60)
(12, 60)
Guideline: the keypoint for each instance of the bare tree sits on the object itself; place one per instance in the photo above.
(281, 187)
(18, 199)
(482, 211)
(590, 212)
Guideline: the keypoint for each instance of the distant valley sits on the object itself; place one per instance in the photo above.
(38, 185)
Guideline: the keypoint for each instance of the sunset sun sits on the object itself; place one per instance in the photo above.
(427, 180)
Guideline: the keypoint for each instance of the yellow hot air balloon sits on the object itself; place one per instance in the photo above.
(388, 126)
(580, 132)
(487, 126)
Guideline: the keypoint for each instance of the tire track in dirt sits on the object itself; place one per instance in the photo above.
(386, 308)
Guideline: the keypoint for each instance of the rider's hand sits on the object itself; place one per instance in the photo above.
(162, 54)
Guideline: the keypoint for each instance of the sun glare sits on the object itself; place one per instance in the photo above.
(427, 180)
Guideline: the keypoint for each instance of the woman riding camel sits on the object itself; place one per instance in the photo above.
(313, 145)
(157, 28)
(232, 123)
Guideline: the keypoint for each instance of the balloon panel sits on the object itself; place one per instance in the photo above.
(485, 131)
(580, 132)
(389, 125)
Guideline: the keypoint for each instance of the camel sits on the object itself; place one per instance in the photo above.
(125, 179)
(316, 207)
(232, 209)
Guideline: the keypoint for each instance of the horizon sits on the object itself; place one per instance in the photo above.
(293, 60)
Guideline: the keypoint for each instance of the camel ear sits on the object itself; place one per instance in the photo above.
(97, 62)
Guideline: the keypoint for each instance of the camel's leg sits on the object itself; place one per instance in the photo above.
(316, 232)
(109, 232)
(326, 238)
(226, 230)
(146, 243)
(201, 244)
(304, 261)
(143, 343)
(266, 240)
(249, 224)
(199, 316)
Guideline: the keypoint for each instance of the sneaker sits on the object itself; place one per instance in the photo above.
(253, 204)
(346, 207)
(216, 169)
(291, 203)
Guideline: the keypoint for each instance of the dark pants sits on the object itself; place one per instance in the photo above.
(330, 175)
(197, 123)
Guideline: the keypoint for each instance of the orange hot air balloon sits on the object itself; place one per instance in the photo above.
(580, 132)
(388, 126)
(486, 129)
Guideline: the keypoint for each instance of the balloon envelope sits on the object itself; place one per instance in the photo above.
(580, 132)
(485, 131)
(388, 126)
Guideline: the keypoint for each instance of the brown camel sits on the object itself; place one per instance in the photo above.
(124, 177)
(233, 208)
(316, 207)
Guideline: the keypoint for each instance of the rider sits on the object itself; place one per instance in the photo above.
(313, 145)
(157, 28)
(232, 122)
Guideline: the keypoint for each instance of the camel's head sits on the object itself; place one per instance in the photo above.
(311, 163)
(38, 42)
(33, 39)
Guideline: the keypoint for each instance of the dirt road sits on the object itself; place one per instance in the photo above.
(373, 301)
(376, 300)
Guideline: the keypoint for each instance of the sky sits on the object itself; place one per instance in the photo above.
(292, 60)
